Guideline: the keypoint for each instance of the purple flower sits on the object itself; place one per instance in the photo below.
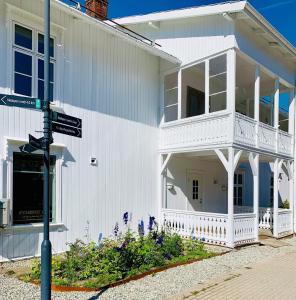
(125, 218)
(159, 240)
(151, 223)
(116, 229)
(141, 229)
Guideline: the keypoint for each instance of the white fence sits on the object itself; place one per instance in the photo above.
(244, 228)
(285, 222)
(208, 227)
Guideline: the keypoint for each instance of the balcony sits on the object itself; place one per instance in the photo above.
(220, 129)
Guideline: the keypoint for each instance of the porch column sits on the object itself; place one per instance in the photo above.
(291, 124)
(257, 103)
(180, 94)
(207, 86)
(276, 111)
(1, 177)
(254, 162)
(230, 170)
(275, 197)
(231, 69)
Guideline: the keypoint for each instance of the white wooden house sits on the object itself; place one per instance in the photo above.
(227, 128)
(198, 132)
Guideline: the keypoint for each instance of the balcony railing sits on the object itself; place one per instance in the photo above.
(212, 129)
(220, 129)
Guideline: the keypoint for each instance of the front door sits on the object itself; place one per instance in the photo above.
(195, 192)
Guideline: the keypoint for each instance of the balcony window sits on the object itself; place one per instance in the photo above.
(171, 97)
(218, 83)
(193, 90)
(245, 87)
(284, 103)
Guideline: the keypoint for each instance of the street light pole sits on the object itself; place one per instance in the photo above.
(46, 245)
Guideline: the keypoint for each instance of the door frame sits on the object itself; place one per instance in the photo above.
(197, 173)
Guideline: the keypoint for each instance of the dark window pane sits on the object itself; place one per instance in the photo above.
(23, 63)
(41, 70)
(240, 192)
(235, 178)
(28, 188)
(240, 179)
(41, 45)
(23, 37)
(41, 90)
(22, 85)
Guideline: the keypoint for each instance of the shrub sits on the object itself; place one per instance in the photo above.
(126, 254)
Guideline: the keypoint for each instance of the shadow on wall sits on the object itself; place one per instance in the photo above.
(109, 76)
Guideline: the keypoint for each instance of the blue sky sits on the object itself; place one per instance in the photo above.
(280, 13)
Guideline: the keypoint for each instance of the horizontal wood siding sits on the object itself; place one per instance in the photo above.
(113, 87)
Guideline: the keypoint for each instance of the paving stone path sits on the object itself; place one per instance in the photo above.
(273, 278)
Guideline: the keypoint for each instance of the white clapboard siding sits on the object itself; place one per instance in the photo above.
(113, 86)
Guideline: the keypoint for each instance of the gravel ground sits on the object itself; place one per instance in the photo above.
(160, 286)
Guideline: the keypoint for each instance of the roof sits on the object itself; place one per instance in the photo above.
(236, 10)
(124, 34)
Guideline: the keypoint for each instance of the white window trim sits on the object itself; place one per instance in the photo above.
(29, 20)
(12, 145)
(35, 57)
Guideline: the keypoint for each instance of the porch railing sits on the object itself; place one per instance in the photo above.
(244, 228)
(285, 224)
(208, 227)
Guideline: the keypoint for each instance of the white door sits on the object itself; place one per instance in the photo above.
(195, 192)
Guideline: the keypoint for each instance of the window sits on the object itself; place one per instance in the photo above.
(193, 89)
(28, 55)
(238, 189)
(171, 97)
(195, 189)
(28, 188)
(218, 80)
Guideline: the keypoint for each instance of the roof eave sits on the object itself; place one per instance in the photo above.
(115, 31)
(252, 13)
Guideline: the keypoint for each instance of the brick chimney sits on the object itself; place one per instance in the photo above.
(100, 7)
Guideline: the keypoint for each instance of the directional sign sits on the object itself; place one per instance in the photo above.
(64, 129)
(19, 101)
(27, 148)
(66, 120)
(36, 143)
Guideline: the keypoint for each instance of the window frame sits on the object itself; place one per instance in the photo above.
(35, 57)
(239, 185)
(12, 146)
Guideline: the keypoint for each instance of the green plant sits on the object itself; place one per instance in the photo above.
(127, 254)
(286, 204)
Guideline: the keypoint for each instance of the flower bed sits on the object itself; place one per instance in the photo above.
(126, 254)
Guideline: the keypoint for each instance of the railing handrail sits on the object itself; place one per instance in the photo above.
(195, 119)
(241, 116)
(244, 216)
(194, 213)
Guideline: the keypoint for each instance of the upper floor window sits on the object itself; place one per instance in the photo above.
(28, 56)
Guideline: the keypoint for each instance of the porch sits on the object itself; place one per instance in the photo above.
(205, 198)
